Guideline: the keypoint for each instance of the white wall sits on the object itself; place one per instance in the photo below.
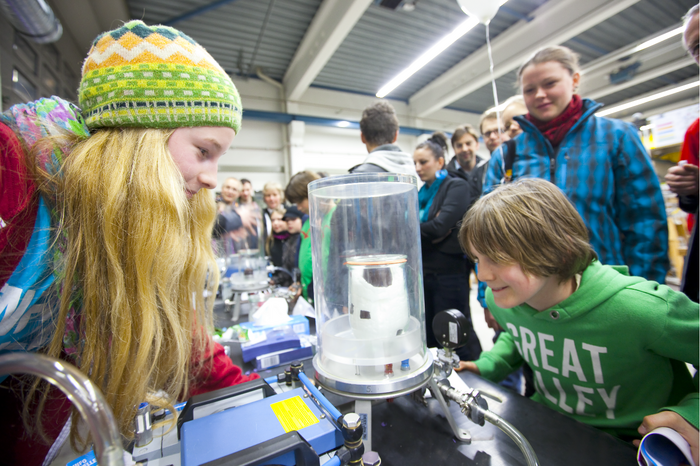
(256, 154)
(258, 151)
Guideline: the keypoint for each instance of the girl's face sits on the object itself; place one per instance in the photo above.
(196, 152)
(547, 89)
(278, 225)
(272, 199)
(426, 164)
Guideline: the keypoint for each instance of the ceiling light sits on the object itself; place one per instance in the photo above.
(645, 127)
(650, 98)
(657, 39)
(626, 52)
(433, 52)
(343, 124)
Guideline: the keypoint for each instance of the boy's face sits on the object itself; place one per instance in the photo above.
(303, 206)
(293, 225)
(512, 287)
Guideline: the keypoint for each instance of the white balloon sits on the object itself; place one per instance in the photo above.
(483, 10)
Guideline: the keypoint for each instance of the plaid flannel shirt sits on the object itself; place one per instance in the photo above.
(603, 168)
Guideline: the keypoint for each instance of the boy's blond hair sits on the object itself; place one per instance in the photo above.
(532, 223)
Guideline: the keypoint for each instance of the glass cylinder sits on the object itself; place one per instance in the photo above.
(368, 285)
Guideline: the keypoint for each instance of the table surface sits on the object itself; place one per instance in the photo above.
(406, 433)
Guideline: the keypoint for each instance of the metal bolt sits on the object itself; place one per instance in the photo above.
(351, 421)
(371, 458)
(323, 416)
(306, 395)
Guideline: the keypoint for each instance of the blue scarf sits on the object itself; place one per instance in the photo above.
(427, 194)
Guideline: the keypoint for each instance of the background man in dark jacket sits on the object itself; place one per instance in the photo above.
(466, 164)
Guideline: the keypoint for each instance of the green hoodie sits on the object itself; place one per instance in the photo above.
(609, 354)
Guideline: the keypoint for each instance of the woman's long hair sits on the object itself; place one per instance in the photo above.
(138, 259)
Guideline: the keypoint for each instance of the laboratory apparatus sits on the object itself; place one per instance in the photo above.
(368, 288)
(450, 328)
(244, 267)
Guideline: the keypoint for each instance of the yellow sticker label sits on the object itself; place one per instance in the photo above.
(293, 414)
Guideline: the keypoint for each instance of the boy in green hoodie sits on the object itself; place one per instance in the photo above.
(606, 349)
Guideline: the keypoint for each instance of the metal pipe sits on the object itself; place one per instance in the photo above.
(513, 433)
(476, 409)
(33, 19)
(260, 36)
(285, 129)
(84, 395)
(197, 11)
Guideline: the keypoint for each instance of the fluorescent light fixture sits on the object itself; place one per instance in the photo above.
(650, 98)
(645, 127)
(657, 39)
(343, 124)
(433, 52)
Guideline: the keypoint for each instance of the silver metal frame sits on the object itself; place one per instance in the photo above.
(380, 390)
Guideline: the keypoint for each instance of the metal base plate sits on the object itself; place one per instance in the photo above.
(390, 388)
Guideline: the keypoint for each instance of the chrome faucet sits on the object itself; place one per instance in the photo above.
(84, 395)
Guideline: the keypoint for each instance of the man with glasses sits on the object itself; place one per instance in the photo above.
(488, 125)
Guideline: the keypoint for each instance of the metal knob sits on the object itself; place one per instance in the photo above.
(351, 421)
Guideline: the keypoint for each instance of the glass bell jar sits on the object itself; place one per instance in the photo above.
(246, 267)
(368, 285)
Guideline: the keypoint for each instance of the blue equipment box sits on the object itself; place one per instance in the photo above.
(274, 340)
(266, 361)
(222, 434)
(299, 324)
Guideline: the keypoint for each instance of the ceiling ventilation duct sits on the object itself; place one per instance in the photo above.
(33, 19)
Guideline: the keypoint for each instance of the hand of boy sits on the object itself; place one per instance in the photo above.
(468, 366)
(674, 421)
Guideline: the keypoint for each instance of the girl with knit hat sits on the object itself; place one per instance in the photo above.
(105, 233)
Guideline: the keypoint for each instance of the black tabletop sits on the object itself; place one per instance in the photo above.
(406, 433)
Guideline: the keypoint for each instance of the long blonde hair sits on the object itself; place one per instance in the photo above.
(138, 257)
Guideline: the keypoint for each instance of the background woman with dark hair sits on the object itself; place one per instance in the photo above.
(443, 200)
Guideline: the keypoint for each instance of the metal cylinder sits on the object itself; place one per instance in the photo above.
(143, 434)
(33, 18)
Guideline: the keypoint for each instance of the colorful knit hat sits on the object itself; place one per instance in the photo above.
(155, 77)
